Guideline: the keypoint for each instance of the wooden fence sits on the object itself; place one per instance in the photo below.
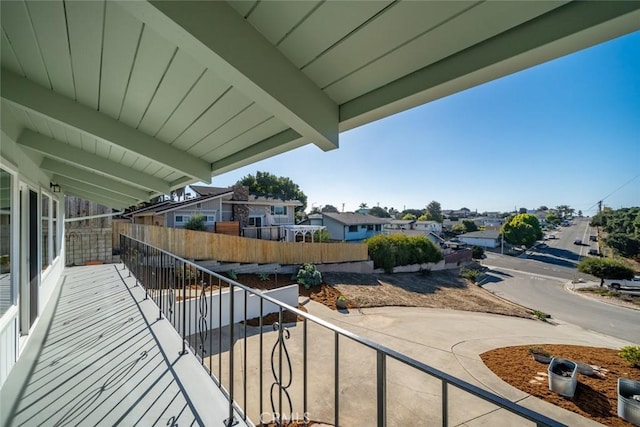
(200, 245)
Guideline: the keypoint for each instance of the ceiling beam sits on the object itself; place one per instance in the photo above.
(222, 40)
(276, 144)
(91, 189)
(94, 179)
(95, 198)
(70, 154)
(26, 94)
(564, 30)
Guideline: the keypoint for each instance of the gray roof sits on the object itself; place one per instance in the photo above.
(203, 190)
(402, 221)
(486, 234)
(354, 218)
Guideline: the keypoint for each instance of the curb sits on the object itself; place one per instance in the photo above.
(569, 286)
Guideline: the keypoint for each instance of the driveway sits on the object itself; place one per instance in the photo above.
(447, 340)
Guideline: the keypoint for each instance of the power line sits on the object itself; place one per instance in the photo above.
(599, 202)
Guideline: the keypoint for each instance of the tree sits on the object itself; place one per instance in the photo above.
(314, 210)
(477, 252)
(543, 208)
(552, 218)
(522, 229)
(379, 212)
(409, 217)
(329, 208)
(269, 185)
(469, 225)
(363, 206)
(196, 222)
(605, 268)
(623, 244)
(434, 211)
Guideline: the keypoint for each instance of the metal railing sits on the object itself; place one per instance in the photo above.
(201, 305)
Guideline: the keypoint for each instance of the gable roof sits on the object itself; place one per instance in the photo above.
(203, 190)
(354, 218)
(485, 234)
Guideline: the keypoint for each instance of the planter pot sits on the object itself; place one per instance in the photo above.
(341, 303)
(628, 407)
(541, 358)
(563, 376)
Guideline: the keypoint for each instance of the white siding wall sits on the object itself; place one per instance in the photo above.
(14, 159)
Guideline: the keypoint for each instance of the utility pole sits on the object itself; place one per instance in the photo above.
(600, 206)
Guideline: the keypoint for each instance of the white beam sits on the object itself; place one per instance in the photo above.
(93, 179)
(214, 33)
(276, 144)
(70, 154)
(564, 30)
(95, 198)
(92, 189)
(67, 112)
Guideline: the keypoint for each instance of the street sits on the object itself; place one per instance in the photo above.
(537, 280)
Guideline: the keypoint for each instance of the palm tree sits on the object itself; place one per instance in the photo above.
(363, 206)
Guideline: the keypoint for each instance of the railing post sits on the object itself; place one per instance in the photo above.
(381, 381)
(230, 420)
(336, 380)
(184, 311)
(304, 372)
(445, 405)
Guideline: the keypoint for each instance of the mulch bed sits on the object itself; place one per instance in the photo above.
(596, 398)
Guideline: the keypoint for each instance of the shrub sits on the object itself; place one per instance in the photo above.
(388, 252)
(264, 277)
(309, 276)
(232, 274)
(539, 350)
(196, 222)
(477, 252)
(470, 274)
(631, 354)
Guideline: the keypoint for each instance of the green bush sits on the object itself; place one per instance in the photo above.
(477, 252)
(196, 222)
(631, 354)
(388, 252)
(470, 274)
(309, 276)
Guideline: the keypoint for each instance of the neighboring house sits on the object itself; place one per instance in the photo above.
(400, 224)
(488, 222)
(484, 239)
(217, 204)
(350, 226)
(431, 226)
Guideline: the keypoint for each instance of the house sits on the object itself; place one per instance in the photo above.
(218, 204)
(484, 239)
(488, 222)
(120, 102)
(399, 224)
(431, 226)
(351, 226)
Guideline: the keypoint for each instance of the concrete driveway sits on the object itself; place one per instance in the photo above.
(444, 339)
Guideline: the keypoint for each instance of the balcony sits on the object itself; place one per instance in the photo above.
(140, 343)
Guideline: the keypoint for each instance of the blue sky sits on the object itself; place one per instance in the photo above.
(564, 132)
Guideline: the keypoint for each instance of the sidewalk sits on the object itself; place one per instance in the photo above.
(574, 287)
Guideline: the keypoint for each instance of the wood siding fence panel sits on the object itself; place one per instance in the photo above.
(200, 245)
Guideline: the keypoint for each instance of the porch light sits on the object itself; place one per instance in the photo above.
(54, 187)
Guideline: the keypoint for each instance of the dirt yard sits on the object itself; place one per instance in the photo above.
(442, 289)
(596, 397)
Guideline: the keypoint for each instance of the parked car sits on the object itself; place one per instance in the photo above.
(594, 252)
(577, 242)
(593, 238)
(617, 283)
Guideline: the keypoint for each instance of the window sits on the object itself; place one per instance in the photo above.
(278, 210)
(181, 219)
(46, 232)
(370, 227)
(378, 227)
(210, 218)
(353, 229)
(6, 193)
(54, 228)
